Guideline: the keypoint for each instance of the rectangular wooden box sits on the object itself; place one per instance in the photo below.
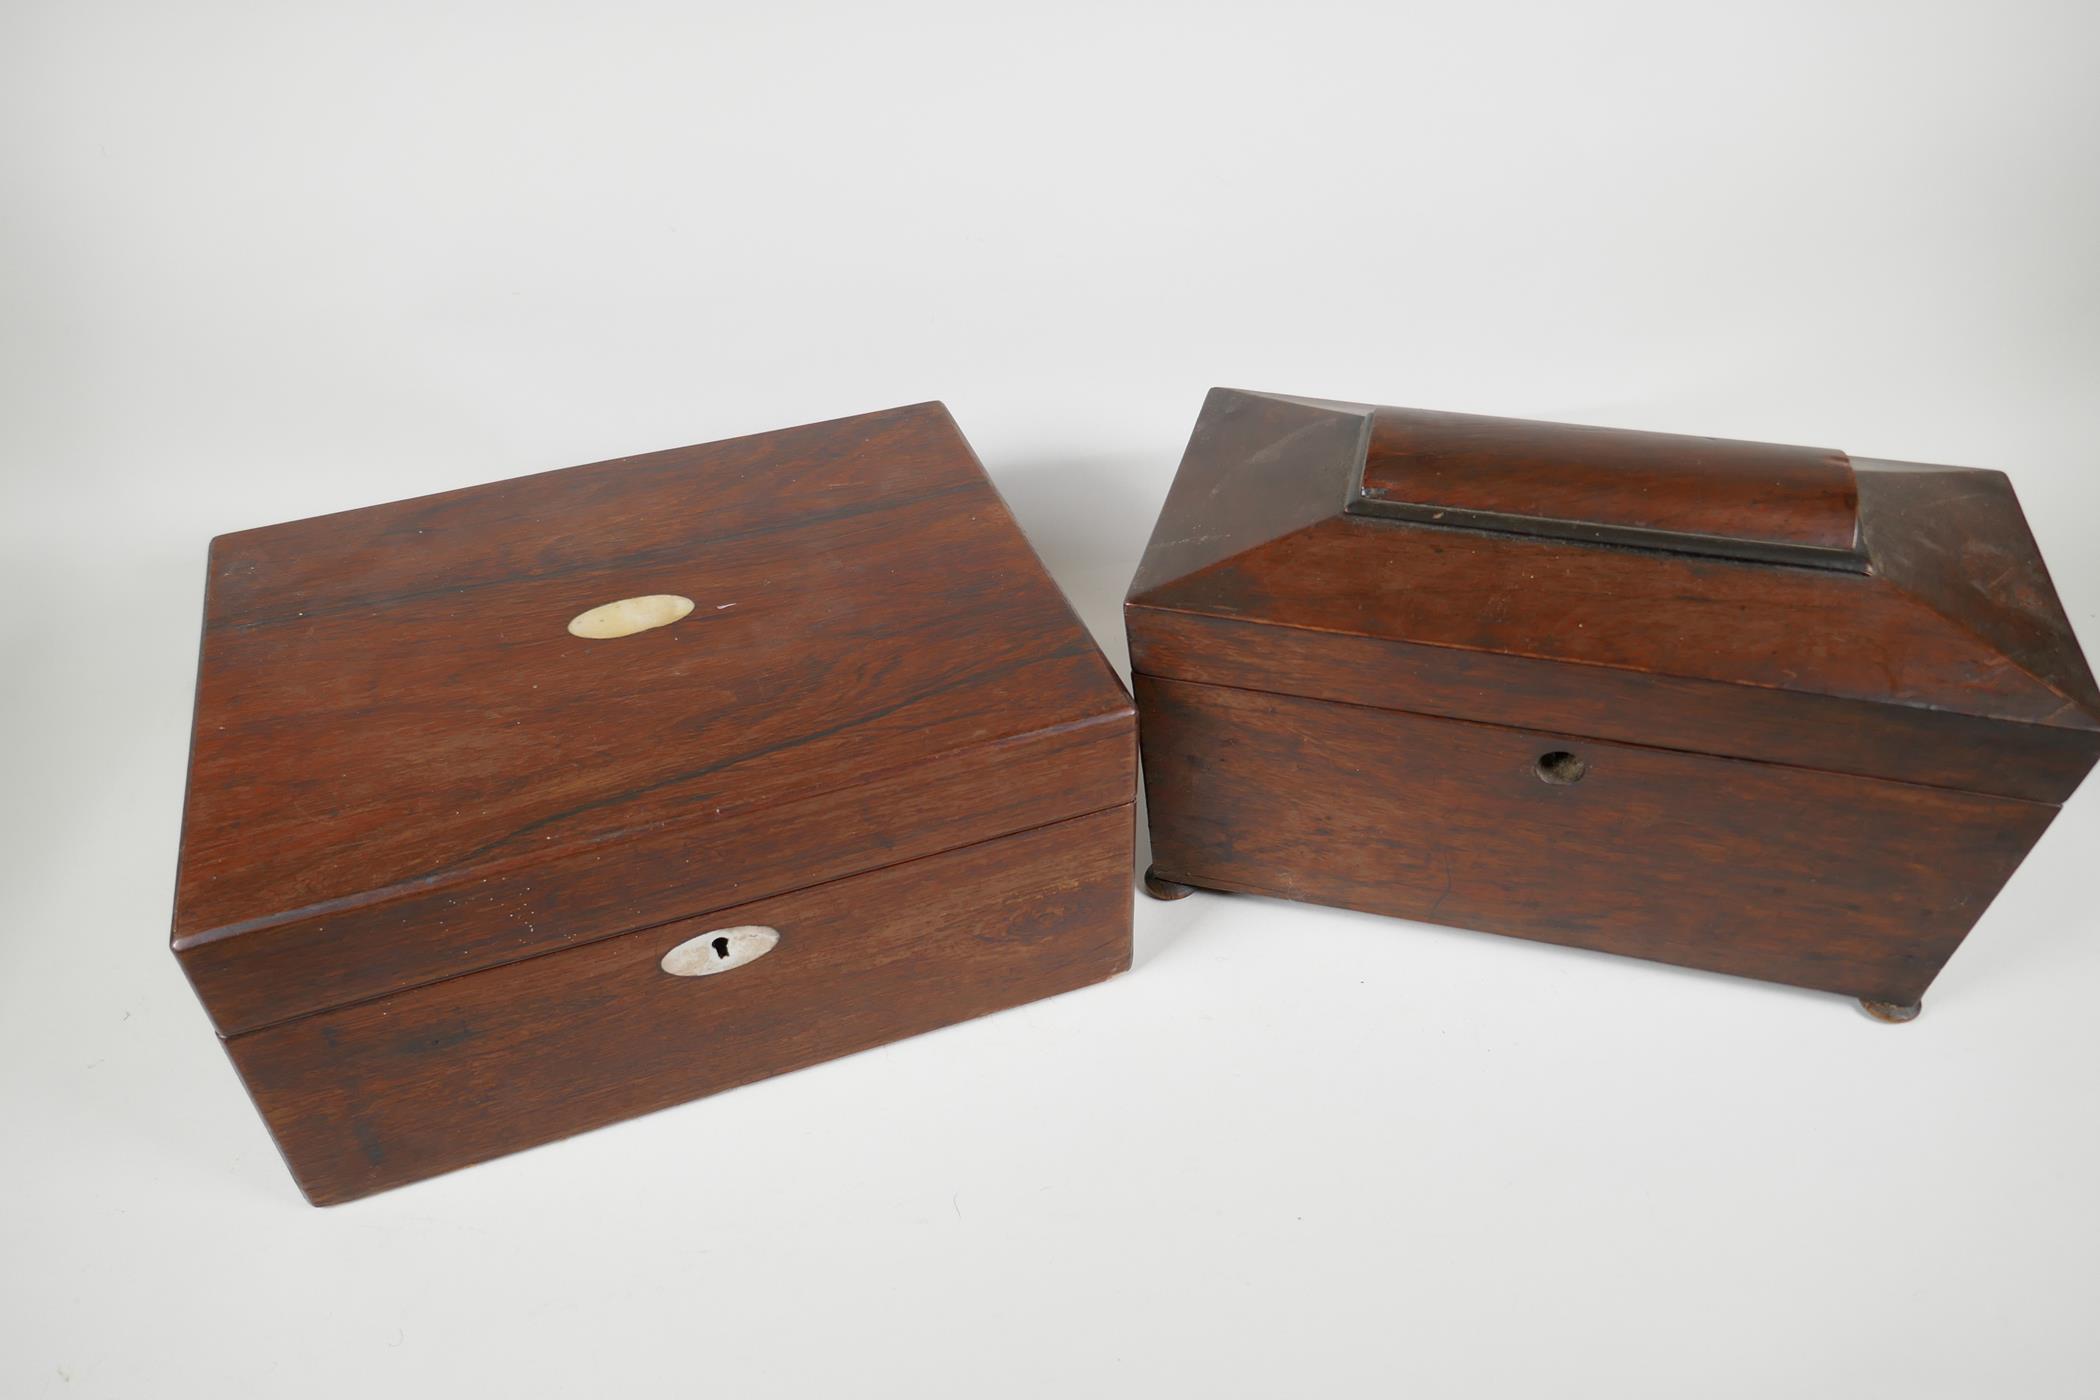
(450, 814)
(1763, 710)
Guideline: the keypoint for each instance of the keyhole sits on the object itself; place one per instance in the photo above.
(720, 950)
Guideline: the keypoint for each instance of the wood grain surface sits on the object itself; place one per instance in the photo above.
(1704, 495)
(2042, 763)
(1846, 884)
(1818, 775)
(1785, 630)
(405, 767)
(389, 1091)
(1956, 616)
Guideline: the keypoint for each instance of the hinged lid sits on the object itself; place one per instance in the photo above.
(448, 733)
(1694, 495)
(1631, 586)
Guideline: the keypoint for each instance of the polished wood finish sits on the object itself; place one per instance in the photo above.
(1739, 500)
(2042, 763)
(404, 767)
(660, 873)
(394, 1090)
(1947, 670)
(1854, 885)
(406, 770)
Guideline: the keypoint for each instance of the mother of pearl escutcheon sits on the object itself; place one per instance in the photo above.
(720, 950)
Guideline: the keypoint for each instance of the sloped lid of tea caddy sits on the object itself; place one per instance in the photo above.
(1792, 569)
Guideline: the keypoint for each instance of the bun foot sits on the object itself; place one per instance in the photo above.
(1891, 1012)
(1165, 889)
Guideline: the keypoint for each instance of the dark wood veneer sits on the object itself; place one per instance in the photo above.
(1819, 879)
(745, 850)
(2042, 763)
(414, 790)
(1840, 691)
(1741, 500)
(390, 1091)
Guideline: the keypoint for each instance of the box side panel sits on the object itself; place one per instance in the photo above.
(376, 1095)
(2034, 762)
(1845, 884)
(723, 857)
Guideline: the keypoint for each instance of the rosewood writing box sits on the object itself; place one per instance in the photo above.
(521, 809)
(1765, 710)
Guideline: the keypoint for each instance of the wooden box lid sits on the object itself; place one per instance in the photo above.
(407, 764)
(1781, 603)
(1687, 495)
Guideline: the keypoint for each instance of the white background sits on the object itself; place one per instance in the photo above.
(268, 260)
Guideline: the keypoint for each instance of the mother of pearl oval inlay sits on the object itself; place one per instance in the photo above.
(719, 950)
(629, 616)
